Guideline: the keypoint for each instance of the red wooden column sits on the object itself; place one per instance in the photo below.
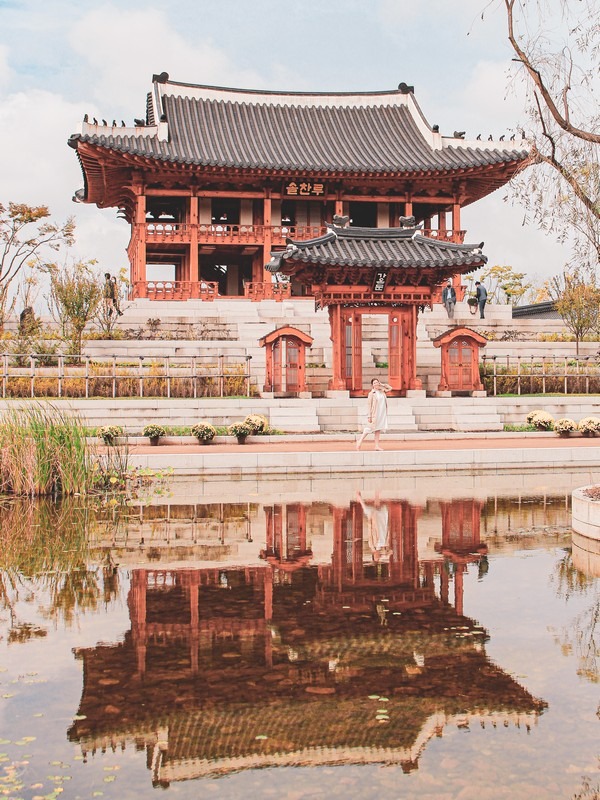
(337, 326)
(455, 219)
(194, 274)
(442, 222)
(194, 585)
(138, 264)
(265, 275)
(137, 615)
(410, 348)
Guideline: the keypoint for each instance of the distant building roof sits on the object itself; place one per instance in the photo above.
(351, 132)
(546, 310)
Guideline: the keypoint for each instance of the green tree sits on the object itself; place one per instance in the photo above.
(75, 294)
(504, 285)
(577, 299)
(26, 234)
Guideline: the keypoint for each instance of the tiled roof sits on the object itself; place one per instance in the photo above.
(378, 247)
(545, 310)
(371, 132)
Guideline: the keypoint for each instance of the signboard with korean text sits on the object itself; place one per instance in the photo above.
(379, 280)
(304, 187)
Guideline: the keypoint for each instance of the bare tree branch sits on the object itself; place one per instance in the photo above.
(562, 120)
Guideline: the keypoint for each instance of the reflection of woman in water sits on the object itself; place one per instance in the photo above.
(377, 413)
(378, 519)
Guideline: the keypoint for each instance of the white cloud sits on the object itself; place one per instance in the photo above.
(491, 98)
(5, 70)
(509, 241)
(38, 168)
(125, 48)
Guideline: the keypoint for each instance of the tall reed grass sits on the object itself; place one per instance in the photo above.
(43, 451)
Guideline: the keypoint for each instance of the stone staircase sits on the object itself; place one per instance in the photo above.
(456, 414)
(232, 328)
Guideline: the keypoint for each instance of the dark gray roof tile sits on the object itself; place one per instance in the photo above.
(378, 247)
(369, 132)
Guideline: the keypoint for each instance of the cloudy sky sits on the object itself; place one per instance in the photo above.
(60, 59)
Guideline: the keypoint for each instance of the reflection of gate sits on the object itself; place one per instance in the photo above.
(460, 360)
(347, 359)
(285, 360)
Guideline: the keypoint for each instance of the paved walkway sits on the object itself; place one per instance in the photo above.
(328, 454)
(331, 444)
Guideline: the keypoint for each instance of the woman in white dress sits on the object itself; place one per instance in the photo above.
(377, 414)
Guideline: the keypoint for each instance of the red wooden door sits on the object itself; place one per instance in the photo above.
(357, 353)
(292, 365)
(394, 351)
(277, 372)
(460, 356)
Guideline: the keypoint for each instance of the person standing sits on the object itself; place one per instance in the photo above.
(107, 294)
(115, 295)
(449, 298)
(481, 295)
(377, 413)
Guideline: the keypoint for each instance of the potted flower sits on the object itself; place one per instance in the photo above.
(472, 303)
(257, 423)
(204, 432)
(109, 433)
(589, 426)
(154, 432)
(541, 420)
(564, 426)
(240, 430)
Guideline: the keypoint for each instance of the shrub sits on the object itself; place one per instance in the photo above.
(239, 429)
(565, 425)
(257, 422)
(204, 431)
(108, 433)
(154, 431)
(589, 426)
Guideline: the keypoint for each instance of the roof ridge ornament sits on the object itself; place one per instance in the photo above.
(341, 221)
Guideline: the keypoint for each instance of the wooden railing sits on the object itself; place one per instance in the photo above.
(220, 233)
(267, 290)
(540, 374)
(456, 237)
(175, 290)
(59, 376)
(167, 232)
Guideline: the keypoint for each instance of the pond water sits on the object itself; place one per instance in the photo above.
(417, 637)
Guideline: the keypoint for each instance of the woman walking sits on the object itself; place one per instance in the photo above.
(377, 414)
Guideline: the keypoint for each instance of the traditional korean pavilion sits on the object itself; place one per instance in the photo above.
(212, 180)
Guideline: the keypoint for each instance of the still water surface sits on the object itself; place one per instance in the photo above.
(351, 639)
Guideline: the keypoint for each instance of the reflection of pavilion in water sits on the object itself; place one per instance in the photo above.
(286, 663)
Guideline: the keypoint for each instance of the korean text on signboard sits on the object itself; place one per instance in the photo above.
(379, 280)
(304, 188)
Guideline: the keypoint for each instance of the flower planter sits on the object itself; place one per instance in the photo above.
(241, 439)
(154, 440)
